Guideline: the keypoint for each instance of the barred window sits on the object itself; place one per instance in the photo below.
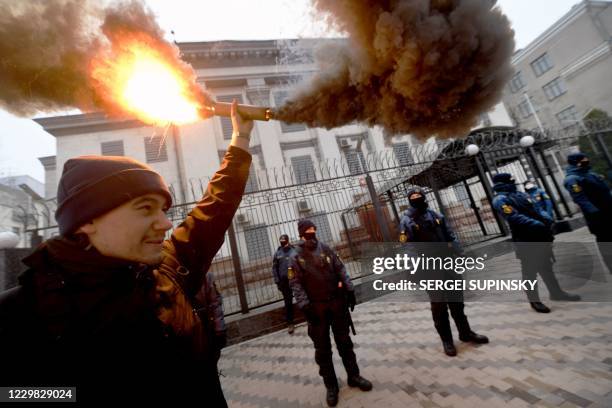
(462, 195)
(568, 117)
(354, 160)
(257, 241)
(542, 65)
(554, 89)
(403, 154)
(155, 149)
(323, 229)
(525, 109)
(279, 98)
(517, 82)
(303, 169)
(114, 148)
(226, 123)
(251, 185)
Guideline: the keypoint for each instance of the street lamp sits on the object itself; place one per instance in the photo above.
(527, 141)
(472, 149)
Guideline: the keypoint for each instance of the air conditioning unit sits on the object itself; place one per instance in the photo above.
(344, 143)
(242, 219)
(303, 206)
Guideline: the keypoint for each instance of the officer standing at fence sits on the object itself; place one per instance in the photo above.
(541, 200)
(324, 292)
(280, 264)
(592, 195)
(420, 224)
(529, 225)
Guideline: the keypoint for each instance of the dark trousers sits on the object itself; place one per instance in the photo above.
(213, 391)
(285, 289)
(537, 259)
(601, 227)
(334, 315)
(441, 302)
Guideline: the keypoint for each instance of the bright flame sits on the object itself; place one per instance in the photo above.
(146, 82)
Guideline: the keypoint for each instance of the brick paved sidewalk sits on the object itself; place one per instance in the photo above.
(562, 359)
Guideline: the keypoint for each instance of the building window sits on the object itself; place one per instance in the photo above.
(485, 120)
(568, 117)
(155, 149)
(257, 241)
(517, 83)
(226, 123)
(323, 229)
(403, 154)
(541, 65)
(114, 148)
(303, 169)
(462, 195)
(279, 99)
(554, 89)
(354, 160)
(251, 184)
(525, 109)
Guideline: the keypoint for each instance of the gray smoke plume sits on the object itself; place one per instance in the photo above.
(46, 47)
(425, 67)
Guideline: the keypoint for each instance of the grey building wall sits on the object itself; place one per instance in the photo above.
(579, 47)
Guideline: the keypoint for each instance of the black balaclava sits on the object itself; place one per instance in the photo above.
(419, 202)
(284, 241)
(310, 238)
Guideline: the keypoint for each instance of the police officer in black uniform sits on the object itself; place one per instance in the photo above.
(527, 224)
(324, 292)
(280, 265)
(589, 190)
(420, 224)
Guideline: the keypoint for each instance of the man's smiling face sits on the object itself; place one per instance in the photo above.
(133, 231)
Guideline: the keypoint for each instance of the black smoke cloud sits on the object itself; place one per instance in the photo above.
(425, 67)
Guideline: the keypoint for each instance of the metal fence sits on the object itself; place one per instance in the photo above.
(356, 204)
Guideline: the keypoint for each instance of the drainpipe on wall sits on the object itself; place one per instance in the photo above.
(180, 165)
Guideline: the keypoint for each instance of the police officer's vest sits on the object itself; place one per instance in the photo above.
(319, 278)
(597, 191)
(284, 260)
(427, 227)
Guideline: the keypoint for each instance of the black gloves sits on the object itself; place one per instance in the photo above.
(351, 300)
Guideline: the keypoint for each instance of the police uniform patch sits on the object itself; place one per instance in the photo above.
(290, 273)
(403, 237)
(576, 188)
(507, 209)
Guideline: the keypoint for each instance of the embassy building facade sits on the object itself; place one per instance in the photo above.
(291, 157)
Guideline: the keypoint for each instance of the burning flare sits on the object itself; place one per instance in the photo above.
(143, 79)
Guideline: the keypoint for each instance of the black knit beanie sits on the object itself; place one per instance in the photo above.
(91, 186)
(303, 225)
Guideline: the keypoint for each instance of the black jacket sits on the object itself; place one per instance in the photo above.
(81, 318)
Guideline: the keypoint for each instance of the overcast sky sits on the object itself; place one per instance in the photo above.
(22, 141)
